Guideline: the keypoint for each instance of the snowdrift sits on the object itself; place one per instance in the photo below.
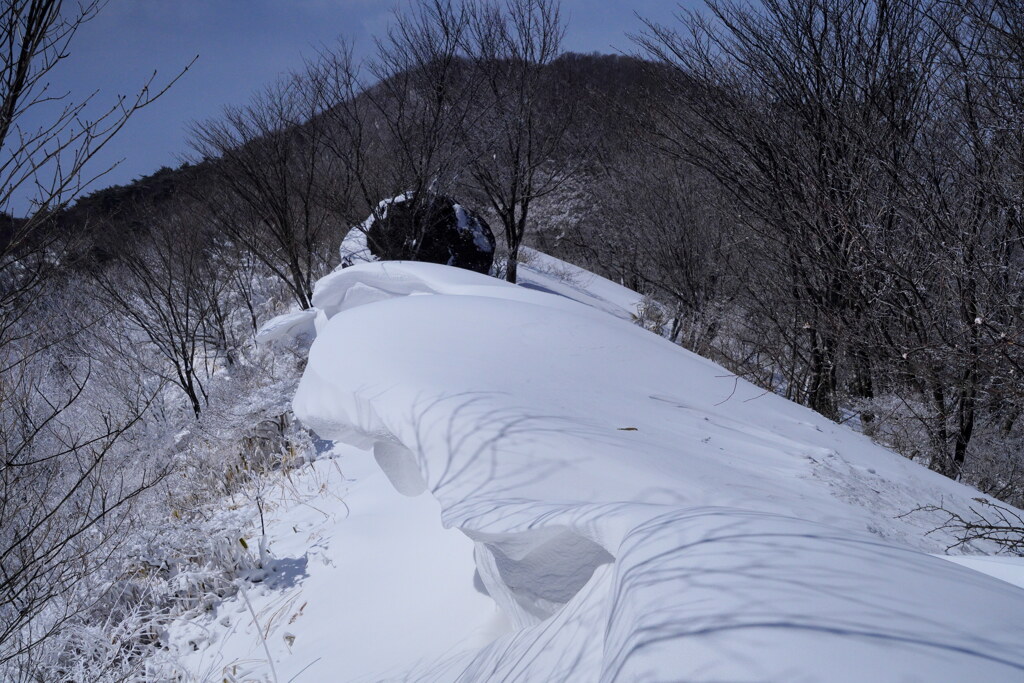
(637, 512)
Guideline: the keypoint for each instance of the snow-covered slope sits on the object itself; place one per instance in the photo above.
(636, 512)
(548, 274)
(359, 573)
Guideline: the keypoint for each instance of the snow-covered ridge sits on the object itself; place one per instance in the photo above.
(548, 274)
(637, 512)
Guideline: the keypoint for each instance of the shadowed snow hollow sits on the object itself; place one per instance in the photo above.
(639, 513)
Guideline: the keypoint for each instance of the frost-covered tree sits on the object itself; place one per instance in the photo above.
(60, 503)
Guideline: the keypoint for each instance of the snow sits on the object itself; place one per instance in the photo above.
(633, 511)
(720, 532)
(1008, 569)
(367, 283)
(359, 561)
(354, 247)
(289, 326)
(548, 274)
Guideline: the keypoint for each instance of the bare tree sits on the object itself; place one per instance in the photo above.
(967, 200)
(461, 95)
(271, 186)
(398, 129)
(870, 153)
(517, 145)
(655, 224)
(47, 141)
(787, 107)
(167, 289)
(988, 521)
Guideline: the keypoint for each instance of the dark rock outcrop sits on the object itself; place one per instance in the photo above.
(429, 227)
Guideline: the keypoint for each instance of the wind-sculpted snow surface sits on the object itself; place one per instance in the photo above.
(638, 513)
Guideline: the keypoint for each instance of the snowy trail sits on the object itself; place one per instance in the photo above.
(378, 586)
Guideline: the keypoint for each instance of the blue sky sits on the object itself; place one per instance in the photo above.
(243, 45)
